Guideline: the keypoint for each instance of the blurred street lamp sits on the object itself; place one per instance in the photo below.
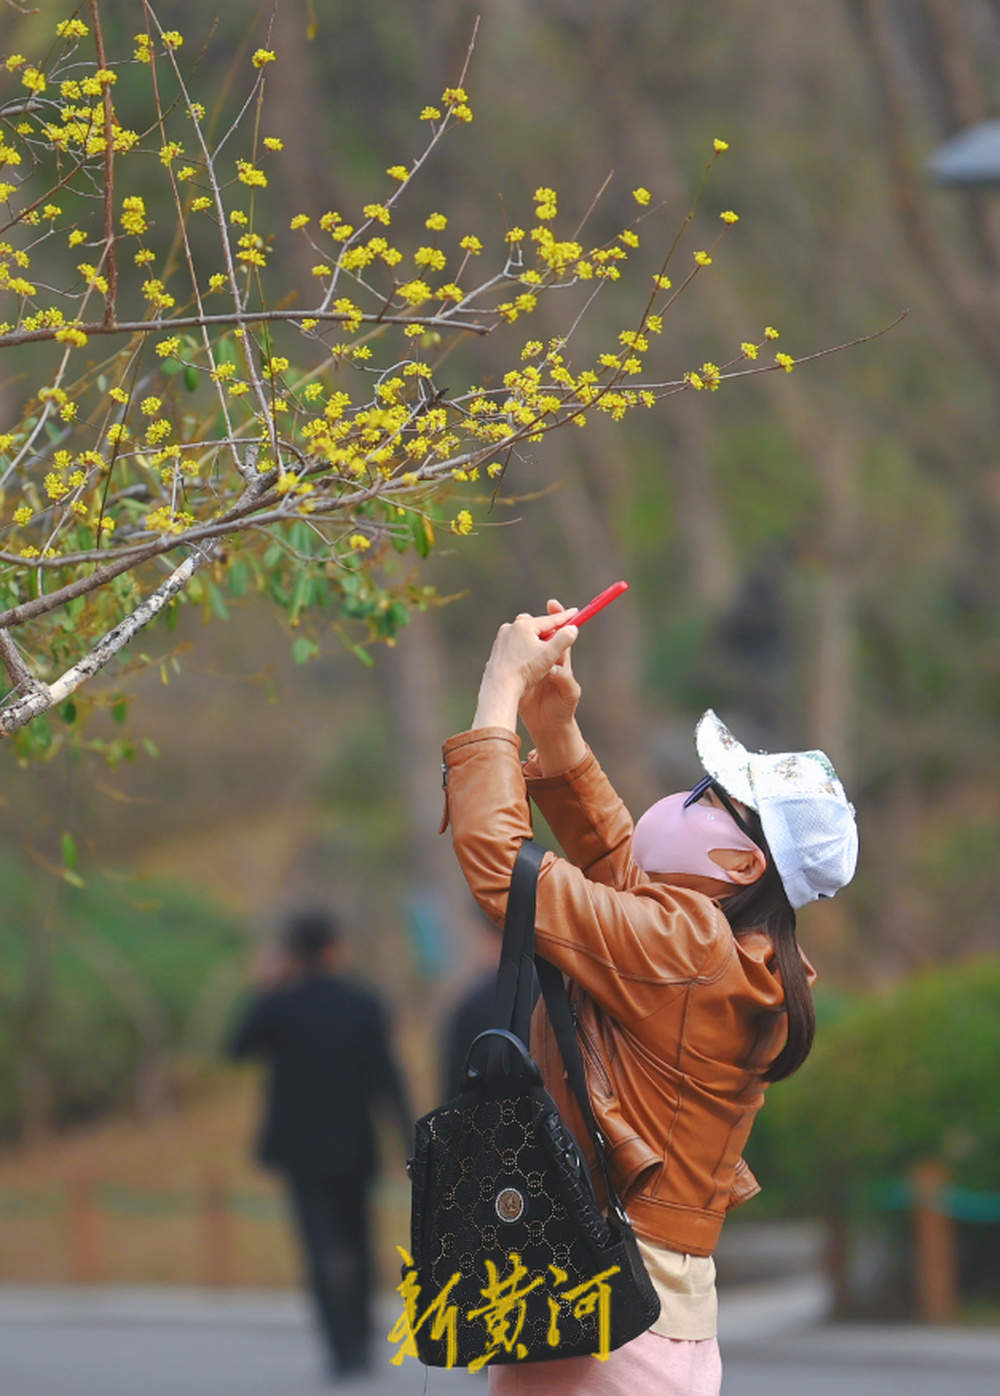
(970, 160)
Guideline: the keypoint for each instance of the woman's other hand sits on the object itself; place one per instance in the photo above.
(518, 660)
(550, 704)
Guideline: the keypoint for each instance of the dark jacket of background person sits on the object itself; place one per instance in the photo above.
(326, 1041)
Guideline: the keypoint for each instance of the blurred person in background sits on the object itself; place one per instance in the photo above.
(326, 1042)
(678, 938)
(470, 1013)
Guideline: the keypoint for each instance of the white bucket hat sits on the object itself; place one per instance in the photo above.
(808, 821)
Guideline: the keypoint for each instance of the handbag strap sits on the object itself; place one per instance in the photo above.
(515, 997)
(563, 1022)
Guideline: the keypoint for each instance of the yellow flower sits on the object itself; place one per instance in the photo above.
(76, 237)
(430, 114)
(719, 145)
(201, 202)
(118, 394)
(144, 256)
(299, 221)
(71, 29)
(437, 222)
(33, 80)
(133, 218)
(172, 38)
(703, 259)
(72, 334)
(377, 211)
(186, 171)
(262, 56)
(770, 332)
(321, 270)
(514, 235)
(729, 216)
(170, 152)
(168, 347)
(748, 350)
(641, 195)
(359, 542)
(149, 406)
(238, 218)
(30, 551)
(23, 514)
(546, 201)
(462, 522)
(273, 143)
(629, 238)
(249, 174)
(15, 61)
(399, 172)
(415, 292)
(695, 380)
(786, 361)
(470, 243)
(431, 257)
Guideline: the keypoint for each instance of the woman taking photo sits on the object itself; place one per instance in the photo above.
(677, 938)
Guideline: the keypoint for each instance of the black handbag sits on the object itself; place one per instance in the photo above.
(512, 1258)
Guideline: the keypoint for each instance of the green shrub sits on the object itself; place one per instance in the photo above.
(93, 981)
(905, 1074)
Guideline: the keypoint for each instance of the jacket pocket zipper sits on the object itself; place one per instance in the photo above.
(592, 1055)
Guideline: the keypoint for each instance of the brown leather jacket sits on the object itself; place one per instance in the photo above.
(678, 1017)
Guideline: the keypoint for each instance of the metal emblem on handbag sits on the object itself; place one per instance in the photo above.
(512, 1258)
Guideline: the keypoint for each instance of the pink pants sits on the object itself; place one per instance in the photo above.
(647, 1366)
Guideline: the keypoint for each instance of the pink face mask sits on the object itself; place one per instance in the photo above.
(671, 839)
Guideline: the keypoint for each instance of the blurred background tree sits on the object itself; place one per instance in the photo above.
(814, 554)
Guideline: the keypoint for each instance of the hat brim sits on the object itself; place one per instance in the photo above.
(724, 758)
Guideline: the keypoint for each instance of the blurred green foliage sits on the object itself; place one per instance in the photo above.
(897, 1077)
(116, 984)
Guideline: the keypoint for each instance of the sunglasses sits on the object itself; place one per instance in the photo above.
(710, 783)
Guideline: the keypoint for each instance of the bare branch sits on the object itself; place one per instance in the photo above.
(47, 696)
(109, 171)
(241, 317)
(21, 676)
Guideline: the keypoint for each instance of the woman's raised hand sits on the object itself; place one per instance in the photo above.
(550, 703)
(518, 661)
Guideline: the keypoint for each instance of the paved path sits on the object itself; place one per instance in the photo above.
(148, 1342)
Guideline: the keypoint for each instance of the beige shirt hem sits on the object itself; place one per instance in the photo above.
(685, 1284)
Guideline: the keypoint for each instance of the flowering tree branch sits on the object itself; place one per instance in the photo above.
(297, 449)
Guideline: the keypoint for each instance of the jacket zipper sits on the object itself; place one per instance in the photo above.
(592, 1055)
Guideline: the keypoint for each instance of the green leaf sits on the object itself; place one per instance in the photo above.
(69, 853)
(422, 533)
(304, 649)
(217, 602)
(171, 366)
(363, 655)
(73, 878)
(150, 747)
(190, 378)
(238, 578)
(68, 712)
(119, 708)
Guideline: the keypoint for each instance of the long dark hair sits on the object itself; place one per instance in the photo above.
(764, 904)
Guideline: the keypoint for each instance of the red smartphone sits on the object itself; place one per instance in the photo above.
(591, 609)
